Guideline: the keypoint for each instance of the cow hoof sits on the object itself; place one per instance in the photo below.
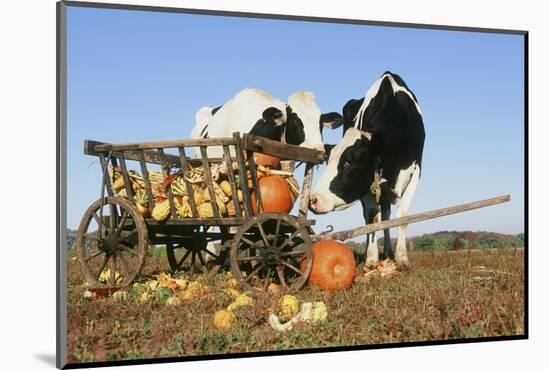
(403, 263)
(370, 264)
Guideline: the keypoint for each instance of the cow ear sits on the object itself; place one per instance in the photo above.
(273, 116)
(331, 120)
(328, 150)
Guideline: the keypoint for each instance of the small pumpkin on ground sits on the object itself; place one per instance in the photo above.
(333, 265)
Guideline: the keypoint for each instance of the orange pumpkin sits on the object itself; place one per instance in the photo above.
(266, 160)
(275, 195)
(333, 265)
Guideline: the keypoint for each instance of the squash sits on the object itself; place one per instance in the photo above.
(287, 307)
(333, 265)
(275, 195)
(266, 160)
(223, 319)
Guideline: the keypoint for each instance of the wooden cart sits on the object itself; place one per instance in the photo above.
(113, 236)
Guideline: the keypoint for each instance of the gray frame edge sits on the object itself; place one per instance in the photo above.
(289, 17)
(61, 188)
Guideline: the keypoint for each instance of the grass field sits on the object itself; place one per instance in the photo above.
(441, 297)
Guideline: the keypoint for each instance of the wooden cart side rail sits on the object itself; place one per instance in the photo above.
(282, 150)
(165, 144)
(367, 229)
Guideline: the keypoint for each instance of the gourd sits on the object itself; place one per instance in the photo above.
(161, 211)
(223, 319)
(275, 195)
(333, 265)
(287, 307)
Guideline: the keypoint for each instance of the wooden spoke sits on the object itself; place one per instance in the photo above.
(121, 223)
(201, 259)
(254, 271)
(113, 270)
(292, 267)
(129, 250)
(124, 263)
(94, 256)
(211, 253)
(112, 217)
(124, 238)
(182, 260)
(96, 218)
(266, 281)
(293, 253)
(286, 242)
(193, 256)
(262, 232)
(276, 235)
(281, 273)
(103, 264)
(247, 241)
(248, 258)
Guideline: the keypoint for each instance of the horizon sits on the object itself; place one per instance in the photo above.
(141, 76)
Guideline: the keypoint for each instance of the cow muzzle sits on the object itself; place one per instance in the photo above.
(320, 203)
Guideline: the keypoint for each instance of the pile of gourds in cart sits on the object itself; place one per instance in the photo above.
(279, 189)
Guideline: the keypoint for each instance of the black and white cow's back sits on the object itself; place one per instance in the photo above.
(298, 122)
(378, 160)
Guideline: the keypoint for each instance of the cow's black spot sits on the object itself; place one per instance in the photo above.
(214, 110)
(328, 150)
(268, 126)
(355, 172)
(204, 133)
(294, 131)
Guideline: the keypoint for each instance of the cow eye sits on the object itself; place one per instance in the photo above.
(347, 163)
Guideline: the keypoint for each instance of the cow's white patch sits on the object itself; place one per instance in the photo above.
(326, 200)
(304, 105)
(238, 114)
(403, 210)
(404, 178)
(373, 91)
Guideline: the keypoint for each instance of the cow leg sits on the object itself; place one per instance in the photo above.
(403, 210)
(371, 213)
(386, 211)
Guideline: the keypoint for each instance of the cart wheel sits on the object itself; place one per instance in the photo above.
(182, 256)
(271, 245)
(112, 250)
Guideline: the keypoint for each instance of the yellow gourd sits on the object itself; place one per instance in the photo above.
(287, 307)
(223, 319)
(161, 211)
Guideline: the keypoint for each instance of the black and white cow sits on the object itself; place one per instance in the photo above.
(382, 145)
(299, 122)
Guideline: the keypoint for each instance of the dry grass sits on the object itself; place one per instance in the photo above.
(440, 298)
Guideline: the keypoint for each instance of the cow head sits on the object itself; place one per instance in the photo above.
(350, 165)
(304, 121)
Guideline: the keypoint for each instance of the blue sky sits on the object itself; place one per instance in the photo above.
(140, 76)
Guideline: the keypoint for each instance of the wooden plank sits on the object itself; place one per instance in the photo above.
(255, 183)
(367, 229)
(146, 180)
(164, 144)
(232, 182)
(242, 175)
(188, 186)
(283, 151)
(221, 221)
(306, 191)
(164, 171)
(208, 178)
(151, 156)
(103, 162)
(127, 182)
